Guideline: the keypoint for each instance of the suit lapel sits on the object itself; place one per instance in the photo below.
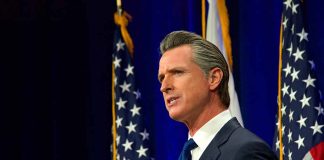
(212, 151)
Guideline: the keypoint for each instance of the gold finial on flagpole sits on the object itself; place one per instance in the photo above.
(119, 7)
(121, 19)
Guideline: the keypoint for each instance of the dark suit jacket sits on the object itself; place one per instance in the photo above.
(234, 142)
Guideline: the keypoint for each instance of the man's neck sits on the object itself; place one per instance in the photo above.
(203, 118)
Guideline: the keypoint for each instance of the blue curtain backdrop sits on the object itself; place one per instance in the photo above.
(55, 68)
(254, 29)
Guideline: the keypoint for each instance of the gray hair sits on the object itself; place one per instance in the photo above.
(205, 54)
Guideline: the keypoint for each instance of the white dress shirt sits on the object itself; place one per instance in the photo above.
(207, 132)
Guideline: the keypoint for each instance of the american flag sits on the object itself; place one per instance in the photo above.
(132, 139)
(301, 104)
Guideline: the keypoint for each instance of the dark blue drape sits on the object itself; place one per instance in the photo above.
(255, 28)
(55, 69)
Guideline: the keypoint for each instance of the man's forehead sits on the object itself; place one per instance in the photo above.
(176, 57)
(171, 58)
(171, 63)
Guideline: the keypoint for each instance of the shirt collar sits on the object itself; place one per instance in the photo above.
(209, 130)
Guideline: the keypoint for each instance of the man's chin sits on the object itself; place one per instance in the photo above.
(175, 117)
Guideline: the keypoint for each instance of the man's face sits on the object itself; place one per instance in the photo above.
(183, 84)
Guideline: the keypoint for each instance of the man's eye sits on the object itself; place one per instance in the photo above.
(161, 79)
(178, 72)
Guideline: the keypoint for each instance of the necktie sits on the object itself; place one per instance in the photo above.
(188, 146)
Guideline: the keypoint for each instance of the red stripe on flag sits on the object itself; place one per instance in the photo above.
(317, 151)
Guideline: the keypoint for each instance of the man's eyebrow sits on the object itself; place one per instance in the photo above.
(171, 70)
(175, 69)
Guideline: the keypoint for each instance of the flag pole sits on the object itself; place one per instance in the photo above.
(280, 97)
(203, 18)
(114, 132)
(114, 145)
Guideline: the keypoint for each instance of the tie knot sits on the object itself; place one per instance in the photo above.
(189, 145)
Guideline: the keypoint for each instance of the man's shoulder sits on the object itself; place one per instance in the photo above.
(244, 135)
(236, 142)
(243, 144)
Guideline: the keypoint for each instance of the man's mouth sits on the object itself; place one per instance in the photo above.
(172, 100)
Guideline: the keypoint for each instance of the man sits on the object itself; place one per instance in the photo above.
(194, 82)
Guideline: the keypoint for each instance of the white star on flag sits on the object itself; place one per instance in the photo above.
(283, 130)
(292, 94)
(283, 110)
(287, 70)
(298, 54)
(312, 64)
(284, 23)
(135, 110)
(119, 121)
(294, 75)
(289, 155)
(128, 145)
(141, 152)
(125, 86)
(317, 128)
(117, 62)
(289, 136)
(277, 144)
(301, 121)
(305, 101)
(320, 109)
(290, 49)
(285, 90)
(302, 35)
(137, 94)
(121, 103)
(115, 81)
(291, 116)
(131, 127)
(117, 139)
(120, 45)
(145, 135)
(129, 70)
(309, 81)
(294, 8)
(287, 3)
(300, 141)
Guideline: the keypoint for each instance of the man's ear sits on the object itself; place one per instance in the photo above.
(214, 78)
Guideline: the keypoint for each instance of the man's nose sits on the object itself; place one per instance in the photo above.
(166, 86)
